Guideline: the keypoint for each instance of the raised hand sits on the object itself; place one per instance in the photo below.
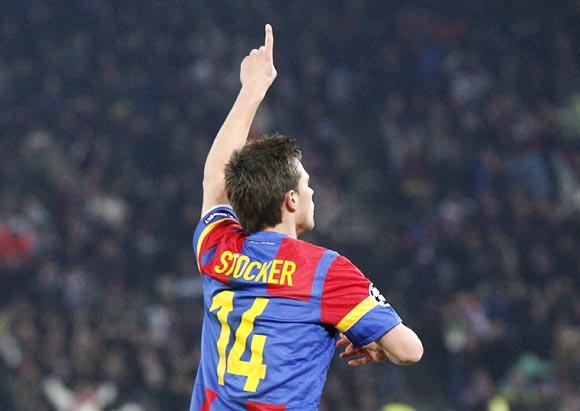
(360, 356)
(257, 71)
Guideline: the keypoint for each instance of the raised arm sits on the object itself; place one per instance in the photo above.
(257, 73)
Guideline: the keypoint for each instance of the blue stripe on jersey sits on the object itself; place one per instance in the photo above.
(261, 246)
(208, 256)
(327, 258)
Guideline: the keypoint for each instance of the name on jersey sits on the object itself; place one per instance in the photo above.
(241, 266)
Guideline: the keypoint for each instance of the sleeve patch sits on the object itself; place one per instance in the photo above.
(221, 213)
(376, 294)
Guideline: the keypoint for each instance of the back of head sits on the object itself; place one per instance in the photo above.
(258, 177)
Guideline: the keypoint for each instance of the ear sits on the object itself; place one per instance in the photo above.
(291, 201)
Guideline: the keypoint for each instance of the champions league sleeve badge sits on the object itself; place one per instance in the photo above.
(376, 294)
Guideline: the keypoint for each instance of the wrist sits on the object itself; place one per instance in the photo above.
(252, 95)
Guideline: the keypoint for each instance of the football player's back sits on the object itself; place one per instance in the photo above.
(273, 307)
(263, 342)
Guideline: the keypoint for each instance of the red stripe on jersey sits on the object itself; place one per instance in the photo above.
(257, 406)
(212, 234)
(306, 258)
(209, 397)
(232, 241)
(345, 286)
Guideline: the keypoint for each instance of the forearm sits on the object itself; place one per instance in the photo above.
(231, 136)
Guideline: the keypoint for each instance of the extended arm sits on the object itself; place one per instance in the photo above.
(257, 73)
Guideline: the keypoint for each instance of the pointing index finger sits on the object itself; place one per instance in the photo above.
(269, 40)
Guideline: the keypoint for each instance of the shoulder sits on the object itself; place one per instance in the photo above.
(318, 259)
(216, 223)
(305, 246)
(337, 263)
(310, 263)
(306, 251)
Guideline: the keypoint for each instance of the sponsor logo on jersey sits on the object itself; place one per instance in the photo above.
(216, 214)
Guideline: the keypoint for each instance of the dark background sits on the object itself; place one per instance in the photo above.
(443, 143)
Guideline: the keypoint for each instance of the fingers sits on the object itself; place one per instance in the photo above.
(267, 48)
(345, 355)
(342, 341)
(269, 42)
(360, 361)
(350, 351)
(364, 355)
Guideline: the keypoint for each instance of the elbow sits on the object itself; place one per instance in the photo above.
(208, 182)
(213, 183)
(416, 354)
(213, 176)
(402, 345)
(411, 355)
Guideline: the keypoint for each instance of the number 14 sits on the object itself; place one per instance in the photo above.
(254, 369)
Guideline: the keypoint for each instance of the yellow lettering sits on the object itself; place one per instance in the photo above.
(224, 257)
(288, 269)
(272, 272)
(275, 270)
(249, 268)
(225, 302)
(263, 273)
(233, 265)
(238, 271)
(254, 370)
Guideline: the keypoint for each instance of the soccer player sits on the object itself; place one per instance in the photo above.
(275, 305)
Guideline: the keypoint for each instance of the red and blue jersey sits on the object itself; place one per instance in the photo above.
(273, 308)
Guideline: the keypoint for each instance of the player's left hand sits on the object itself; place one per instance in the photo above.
(360, 356)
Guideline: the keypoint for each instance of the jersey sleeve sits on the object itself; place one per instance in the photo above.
(354, 306)
(214, 224)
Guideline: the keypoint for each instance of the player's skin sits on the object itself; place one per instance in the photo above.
(401, 346)
(257, 72)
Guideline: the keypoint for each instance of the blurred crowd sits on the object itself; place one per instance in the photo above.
(443, 140)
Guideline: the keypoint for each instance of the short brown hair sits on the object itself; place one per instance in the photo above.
(258, 176)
